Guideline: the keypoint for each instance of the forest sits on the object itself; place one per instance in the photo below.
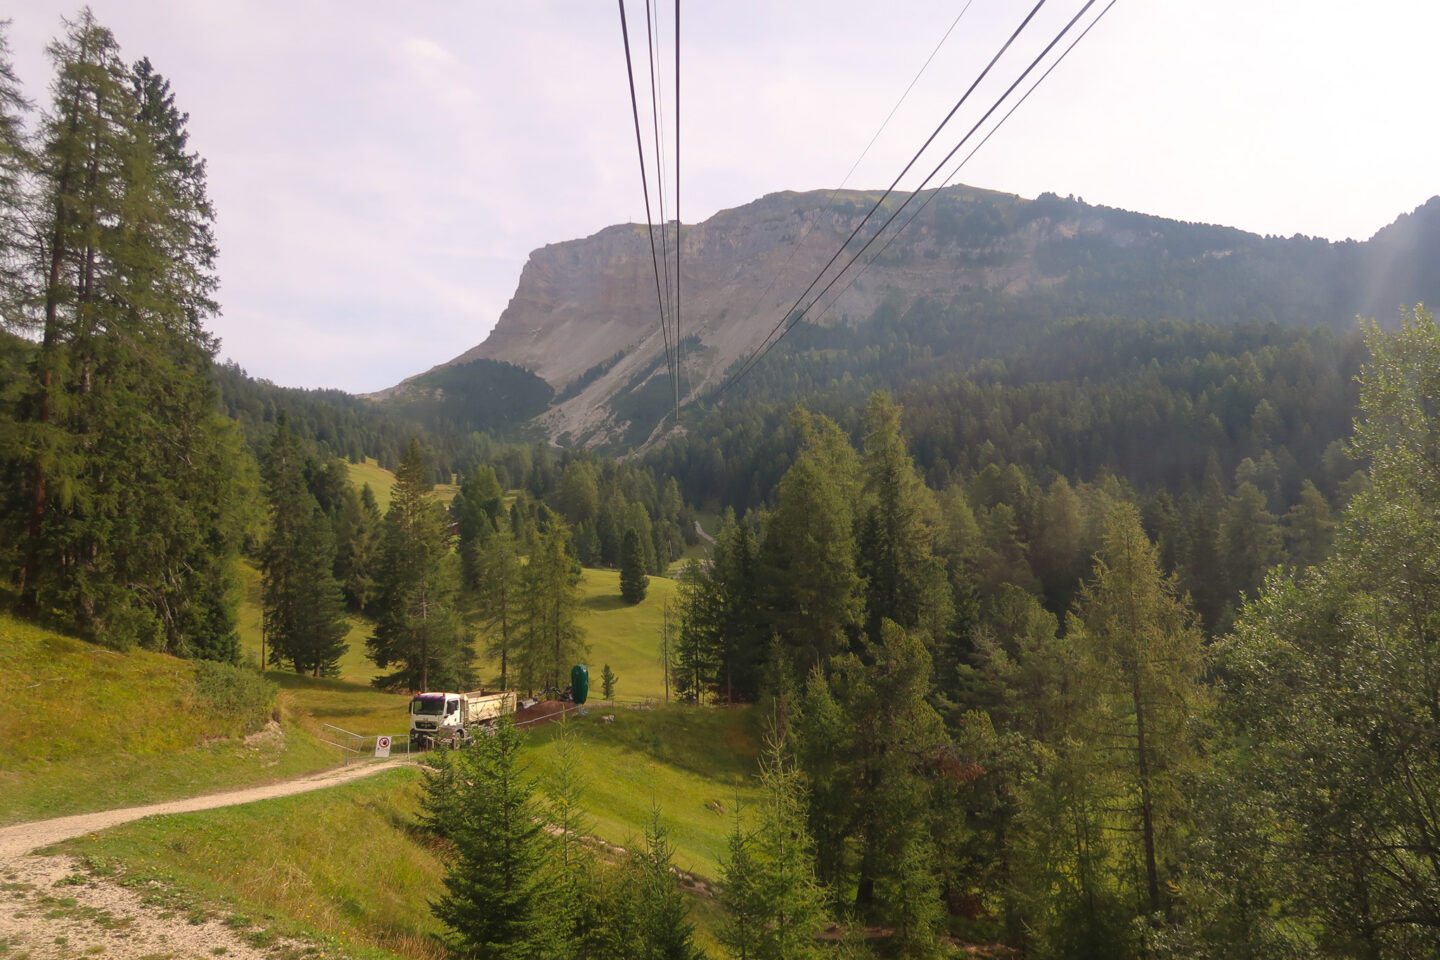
(1084, 635)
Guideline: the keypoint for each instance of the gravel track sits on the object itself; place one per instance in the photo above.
(51, 908)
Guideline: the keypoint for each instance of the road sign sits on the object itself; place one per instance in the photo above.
(382, 746)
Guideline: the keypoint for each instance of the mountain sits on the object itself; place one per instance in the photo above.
(583, 317)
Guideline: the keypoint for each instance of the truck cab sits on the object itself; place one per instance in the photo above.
(434, 717)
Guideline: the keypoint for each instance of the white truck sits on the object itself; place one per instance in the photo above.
(455, 717)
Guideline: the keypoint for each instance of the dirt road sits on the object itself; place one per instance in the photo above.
(49, 907)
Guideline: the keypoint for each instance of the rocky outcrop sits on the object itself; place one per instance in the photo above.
(582, 304)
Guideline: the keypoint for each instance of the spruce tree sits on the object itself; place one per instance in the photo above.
(499, 888)
(808, 555)
(416, 626)
(904, 581)
(128, 484)
(300, 600)
(633, 581)
(773, 902)
(357, 546)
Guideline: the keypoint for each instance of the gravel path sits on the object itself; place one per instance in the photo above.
(51, 908)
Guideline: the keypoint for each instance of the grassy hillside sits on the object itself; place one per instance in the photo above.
(342, 867)
(348, 869)
(86, 728)
(382, 481)
(624, 636)
(693, 763)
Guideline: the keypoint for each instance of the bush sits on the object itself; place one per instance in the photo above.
(238, 693)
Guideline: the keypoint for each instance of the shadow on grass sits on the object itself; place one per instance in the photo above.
(607, 602)
(288, 680)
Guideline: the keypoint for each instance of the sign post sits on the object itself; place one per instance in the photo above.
(382, 747)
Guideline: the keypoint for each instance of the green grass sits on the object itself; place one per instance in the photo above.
(626, 637)
(86, 728)
(382, 482)
(347, 869)
(343, 867)
(349, 706)
(693, 763)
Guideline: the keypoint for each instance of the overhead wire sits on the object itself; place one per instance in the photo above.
(966, 159)
(769, 344)
(764, 347)
(677, 212)
(795, 247)
(644, 181)
(651, 43)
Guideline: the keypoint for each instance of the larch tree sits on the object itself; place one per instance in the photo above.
(416, 626)
(499, 582)
(550, 637)
(1142, 652)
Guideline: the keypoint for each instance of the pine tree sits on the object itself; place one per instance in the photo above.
(499, 889)
(607, 683)
(300, 601)
(633, 581)
(416, 625)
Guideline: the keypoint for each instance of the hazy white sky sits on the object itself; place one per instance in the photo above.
(383, 170)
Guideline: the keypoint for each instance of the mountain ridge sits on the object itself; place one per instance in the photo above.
(583, 314)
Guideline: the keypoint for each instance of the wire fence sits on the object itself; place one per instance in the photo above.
(358, 746)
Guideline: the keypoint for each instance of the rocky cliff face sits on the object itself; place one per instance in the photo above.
(583, 303)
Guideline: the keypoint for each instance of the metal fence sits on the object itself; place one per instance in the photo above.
(355, 746)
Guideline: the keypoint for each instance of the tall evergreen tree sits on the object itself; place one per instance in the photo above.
(904, 581)
(809, 549)
(357, 545)
(500, 581)
(416, 625)
(1143, 651)
(130, 548)
(300, 600)
(550, 637)
(15, 161)
(499, 887)
(633, 581)
(773, 902)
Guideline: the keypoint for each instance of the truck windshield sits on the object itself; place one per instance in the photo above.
(428, 706)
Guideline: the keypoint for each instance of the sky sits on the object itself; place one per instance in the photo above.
(382, 171)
